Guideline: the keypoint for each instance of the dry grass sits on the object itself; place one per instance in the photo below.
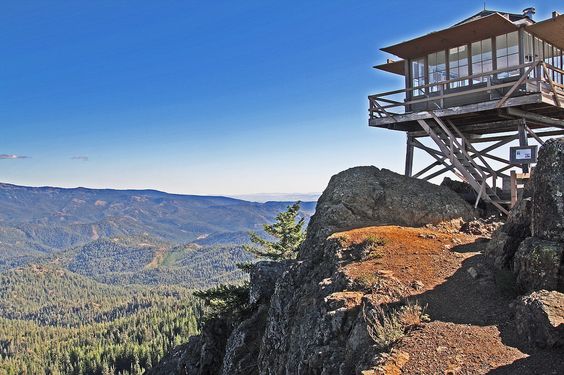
(387, 328)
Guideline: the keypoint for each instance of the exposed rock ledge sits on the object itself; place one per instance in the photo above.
(297, 327)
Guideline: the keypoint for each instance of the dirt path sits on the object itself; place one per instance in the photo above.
(471, 329)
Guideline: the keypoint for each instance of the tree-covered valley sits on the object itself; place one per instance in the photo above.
(101, 281)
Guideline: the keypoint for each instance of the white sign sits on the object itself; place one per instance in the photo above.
(523, 154)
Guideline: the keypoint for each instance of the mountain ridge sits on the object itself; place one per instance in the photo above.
(43, 220)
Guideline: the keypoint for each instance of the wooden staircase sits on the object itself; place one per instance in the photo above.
(462, 161)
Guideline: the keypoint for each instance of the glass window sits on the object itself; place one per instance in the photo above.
(507, 48)
(553, 56)
(481, 59)
(458, 65)
(529, 49)
(538, 49)
(548, 55)
(418, 75)
(436, 69)
(558, 77)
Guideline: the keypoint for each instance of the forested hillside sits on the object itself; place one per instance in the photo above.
(57, 322)
(39, 220)
(125, 261)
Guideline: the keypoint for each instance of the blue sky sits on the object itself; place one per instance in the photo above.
(203, 97)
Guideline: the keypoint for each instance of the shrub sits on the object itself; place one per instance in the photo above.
(387, 328)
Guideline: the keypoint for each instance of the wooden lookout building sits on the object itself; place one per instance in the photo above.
(471, 90)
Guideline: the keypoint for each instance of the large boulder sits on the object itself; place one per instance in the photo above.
(366, 196)
(505, 241)
(539, 318)
(538, 264)
(547, 221)
(531, 242)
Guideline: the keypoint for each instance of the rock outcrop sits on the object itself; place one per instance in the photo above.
(539, 317)
(531, 243)
(364, 196)
(311, 322)
(547, 212)
(306, 316)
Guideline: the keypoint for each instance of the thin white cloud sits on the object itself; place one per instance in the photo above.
(83, 158)
(11, 156)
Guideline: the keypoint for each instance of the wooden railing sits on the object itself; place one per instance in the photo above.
(533, 77)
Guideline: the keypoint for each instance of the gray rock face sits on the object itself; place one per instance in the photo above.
(506, 240)
(263, 278)
(547, 221)
(242, 349)
(532, 240)
(208, 350)
(313, 327)
(202, 355)
(538, 264)
(364, 196)
(540, 318)
(244, 343)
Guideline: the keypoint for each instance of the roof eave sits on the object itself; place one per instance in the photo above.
(481, 28)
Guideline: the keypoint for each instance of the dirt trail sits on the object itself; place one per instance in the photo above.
(471, 329)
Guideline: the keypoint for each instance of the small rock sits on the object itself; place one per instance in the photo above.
(473, 273)
(427, 235)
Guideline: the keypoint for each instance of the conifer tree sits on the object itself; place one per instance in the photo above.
(288, 232)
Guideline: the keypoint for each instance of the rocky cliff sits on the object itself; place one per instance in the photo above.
(306, 316)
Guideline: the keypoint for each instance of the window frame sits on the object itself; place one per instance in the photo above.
(527, 44)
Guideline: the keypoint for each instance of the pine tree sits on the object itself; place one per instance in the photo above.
(288, 232)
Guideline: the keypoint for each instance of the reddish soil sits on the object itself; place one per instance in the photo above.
(471, 329)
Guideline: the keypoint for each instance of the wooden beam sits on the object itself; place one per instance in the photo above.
(409, 156)
(444, 170)
(513, 185)
(551, 83)
(426, 169)
(534, 117)
(532, 134)
(440, 158)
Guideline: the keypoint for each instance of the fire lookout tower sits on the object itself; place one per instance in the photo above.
(472, 89)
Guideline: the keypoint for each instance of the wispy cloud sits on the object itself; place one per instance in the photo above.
(11, 156)
(83, 158)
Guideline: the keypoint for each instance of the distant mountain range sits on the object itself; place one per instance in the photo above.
(284, 197)
(38, 221)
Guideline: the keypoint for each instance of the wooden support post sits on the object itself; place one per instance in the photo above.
(523, 141)
(513, 185)
(409, 156)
